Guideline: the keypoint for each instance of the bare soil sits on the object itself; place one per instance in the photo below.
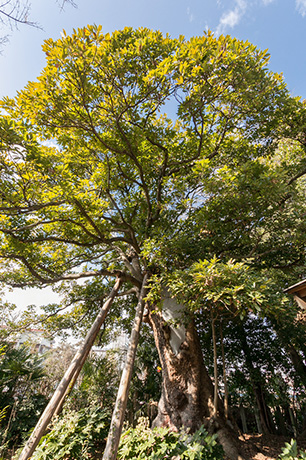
(263, 447)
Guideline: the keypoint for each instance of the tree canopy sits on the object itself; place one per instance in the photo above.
(92, 167)
(136, 154)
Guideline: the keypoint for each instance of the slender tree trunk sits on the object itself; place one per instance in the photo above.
(293, 422)
(71, 384)
(266, 420)
(303, 433)
(257, 418)
(224, 374)
(243, 418)
(213, 329)
(187, 399)
(257, 380)
(280, 421)
(287, 337)
(73, 368)
(110, 452)
(297, 362)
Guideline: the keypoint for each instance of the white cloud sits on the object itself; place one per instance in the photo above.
(267, 2)
(301, 7)
(232, 18)
(190, 15)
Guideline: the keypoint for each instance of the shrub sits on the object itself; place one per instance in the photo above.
(290, 452)
(21, 399)
(75, 435)
(161, 443)
(81, 435)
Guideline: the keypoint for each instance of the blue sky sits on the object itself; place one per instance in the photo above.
(276, 25)
(279, 25)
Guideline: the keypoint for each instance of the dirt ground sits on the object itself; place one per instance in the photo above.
(261, 447)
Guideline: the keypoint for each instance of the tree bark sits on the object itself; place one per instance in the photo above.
(257, 418)
(224, 374)
(280, 421)
(257, 382)
(187, 399)
(264, 411)
(71, 384)
(213, 329)
(293, 422)
(243, 419)
(110, 452)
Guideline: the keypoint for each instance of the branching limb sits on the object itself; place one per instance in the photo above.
(297, 176)
(69, 277)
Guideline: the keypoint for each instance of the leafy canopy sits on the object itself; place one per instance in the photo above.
(95, 173)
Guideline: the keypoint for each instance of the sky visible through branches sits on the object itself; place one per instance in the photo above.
(276, 25)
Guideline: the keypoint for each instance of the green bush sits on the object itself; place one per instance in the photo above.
(161, 443)
(290, 452)
(21, 398)
(75, 435)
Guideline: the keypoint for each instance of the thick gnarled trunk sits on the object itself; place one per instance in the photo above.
(187, 399)
(187, 391)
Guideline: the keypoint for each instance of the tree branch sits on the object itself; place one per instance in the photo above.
(70, 277)
(297, 176)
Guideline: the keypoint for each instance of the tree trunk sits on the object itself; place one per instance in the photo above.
(293, 422)
(257, 418)
(266, 420)
(280, 421)
(303, 433)
(297, 362)
(295, 347)
(224, 374)
(71, 384)
(216, 398)
(243, 419)
(257, 382)
(110, 452)
(187, 399)
(76, 363)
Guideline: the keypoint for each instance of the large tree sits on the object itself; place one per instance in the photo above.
(98, 182)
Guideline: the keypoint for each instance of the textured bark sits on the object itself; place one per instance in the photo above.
(257, 418)
(187, 399)
(266, 420)
(187, 391)
(280, 421)
(111, 448)
(243, 419)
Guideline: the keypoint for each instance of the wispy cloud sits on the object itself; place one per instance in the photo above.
(267, 2)
(301, 7)
(190, 15)
(232, 17)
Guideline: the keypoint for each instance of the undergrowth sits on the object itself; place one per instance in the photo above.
(142, 442)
